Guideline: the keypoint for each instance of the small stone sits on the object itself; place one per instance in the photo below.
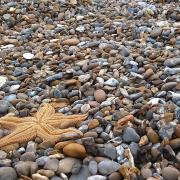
(107, 167)
(170, 173)
(152, 136)
(145, 172)
(115, 176)
(130, 135)
(100, 95)
(83, 174)
(75, 150)
(85, 108)
(39, 177)
(14, 88)
(168, 117)
(48, 173)
(3, 81)
(148, 73)
(111, 82)
(70, 42)
(168, 86)
(93, 167)
(97, 177)
(84, 78)
(26, 168)
(3, 154)
(7, 173)
(175, 143)
(4, 106)
(28, 56)
(28, 156)
(156, 32)
(177, 131)
(51, 164)
(172, 62)
(93, 124)
(66, 165)
(110, 151)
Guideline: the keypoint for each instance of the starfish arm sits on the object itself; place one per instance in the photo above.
(64, 121)
(47, 132)
(21, 134)
(10, 122)
(44, 112)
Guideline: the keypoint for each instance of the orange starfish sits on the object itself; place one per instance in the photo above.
(46, 124)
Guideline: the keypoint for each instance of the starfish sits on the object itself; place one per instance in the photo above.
(46, 124)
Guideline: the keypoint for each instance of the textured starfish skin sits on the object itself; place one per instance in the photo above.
(46, 124)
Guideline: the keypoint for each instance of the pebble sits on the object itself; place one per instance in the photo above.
(51, 164)
(66, 165)
(83, 174)
(146, 173)
(7, 173)
(130, 135)
(39, 177)
(93, 167)
(168, 86)
(28, 56)
(85, 108)
(3, 81)
(26, 168)
(4, 106)
(97, 177)
(172, 62)
(115, 176)
(107, 167)
(170, 173)
(100, 95)
(75, 150)
(156, 32)
(111, 82)
(152, 136)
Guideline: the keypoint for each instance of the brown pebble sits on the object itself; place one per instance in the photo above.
(99, 95)
(70, 42)
(148, 73)
(177, 131)
(175, 143)
(152, 136)
(145, 172)
(91, 134)
(93, 124)
(168, 117)
(75, 150)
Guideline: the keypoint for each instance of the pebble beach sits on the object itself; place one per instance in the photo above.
(116, 63)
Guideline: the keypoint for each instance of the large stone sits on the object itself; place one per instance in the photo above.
(75, 150)
(172, 62)
(170, 173)
(7, 173)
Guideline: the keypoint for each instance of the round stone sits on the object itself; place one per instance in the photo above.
(28, 56)
(130, 135)
(145, 172)
(7, 173)
(170, 173)
(75, 150)
(99, 95)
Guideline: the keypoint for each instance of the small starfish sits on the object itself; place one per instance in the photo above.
(46, 124)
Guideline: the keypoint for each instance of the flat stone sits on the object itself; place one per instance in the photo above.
(97, 177)
(172, 62)
(168, 86)
(130, 135)
(51, 164)
(28, 56)
(4, 106)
